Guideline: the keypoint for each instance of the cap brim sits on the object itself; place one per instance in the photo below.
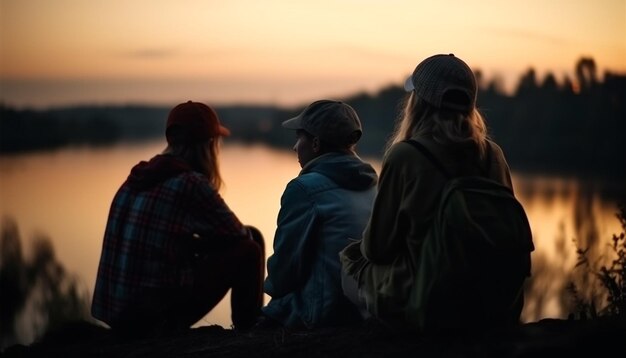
(408, 84)
(293, 123)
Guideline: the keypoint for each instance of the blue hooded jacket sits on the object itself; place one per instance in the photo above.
(322, 210)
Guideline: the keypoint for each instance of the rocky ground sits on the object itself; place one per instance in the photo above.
(551, 337)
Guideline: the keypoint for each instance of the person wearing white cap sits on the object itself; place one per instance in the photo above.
(328, 203)
(390, 271)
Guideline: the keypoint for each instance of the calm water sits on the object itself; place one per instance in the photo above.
(66, 195)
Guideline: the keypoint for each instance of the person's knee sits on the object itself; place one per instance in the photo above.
(256, 236)
(249, 251)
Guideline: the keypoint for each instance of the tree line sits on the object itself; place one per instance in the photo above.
(575, 127)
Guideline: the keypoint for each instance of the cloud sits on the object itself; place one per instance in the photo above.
(150, 53)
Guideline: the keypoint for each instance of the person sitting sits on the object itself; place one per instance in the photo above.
(415, 270)
(328, 203)
(172, 247)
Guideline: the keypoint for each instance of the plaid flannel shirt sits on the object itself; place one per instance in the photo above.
(146, 236)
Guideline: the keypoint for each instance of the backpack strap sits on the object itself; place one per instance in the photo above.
(429, 155)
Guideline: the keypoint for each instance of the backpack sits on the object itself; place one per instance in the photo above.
(475, 258)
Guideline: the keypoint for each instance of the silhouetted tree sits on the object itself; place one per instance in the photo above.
(568, 86)
(527, 83)
(586, 73)
(40, 284)
(549, 84)
(13, 280)
(544, 126)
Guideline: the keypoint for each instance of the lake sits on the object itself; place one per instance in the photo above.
(66, 194)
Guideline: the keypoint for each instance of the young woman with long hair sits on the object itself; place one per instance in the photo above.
(382, 271)
(172, 247)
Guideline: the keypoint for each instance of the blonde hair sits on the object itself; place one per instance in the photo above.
(449, 127)
(202, 157)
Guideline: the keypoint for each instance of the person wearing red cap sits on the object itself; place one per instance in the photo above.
(394, 271)
(172, 248)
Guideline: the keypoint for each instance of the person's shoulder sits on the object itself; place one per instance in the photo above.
(296, 185)
(402, 153)
(494, 146)
(196, 180)
(297, 190)
(310, 182)
(192, 176)
(496, 150)
(399, 150)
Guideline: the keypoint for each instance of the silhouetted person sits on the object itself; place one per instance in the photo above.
(401, 271)
(326, 204)
(172, 247)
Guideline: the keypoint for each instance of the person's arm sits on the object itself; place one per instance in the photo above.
(387, 228)
(288, 267)
(499, 167)
(407, 192)
(212, 218)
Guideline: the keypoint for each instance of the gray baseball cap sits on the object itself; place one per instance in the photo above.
(444, 81)
(332, 121)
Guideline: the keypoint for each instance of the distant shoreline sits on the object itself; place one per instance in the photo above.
(544, 127)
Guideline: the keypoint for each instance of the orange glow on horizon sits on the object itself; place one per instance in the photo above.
(289, 52)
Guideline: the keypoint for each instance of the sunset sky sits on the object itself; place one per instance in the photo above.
(64, 52)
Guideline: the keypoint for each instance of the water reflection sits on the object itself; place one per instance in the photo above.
(67, 194)
(565, 214)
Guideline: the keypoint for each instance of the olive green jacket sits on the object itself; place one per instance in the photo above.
(385, 260)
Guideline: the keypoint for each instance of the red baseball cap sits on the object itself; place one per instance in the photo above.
(194, 122)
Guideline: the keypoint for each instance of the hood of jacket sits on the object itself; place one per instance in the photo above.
(145, 175)
(346, 170)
